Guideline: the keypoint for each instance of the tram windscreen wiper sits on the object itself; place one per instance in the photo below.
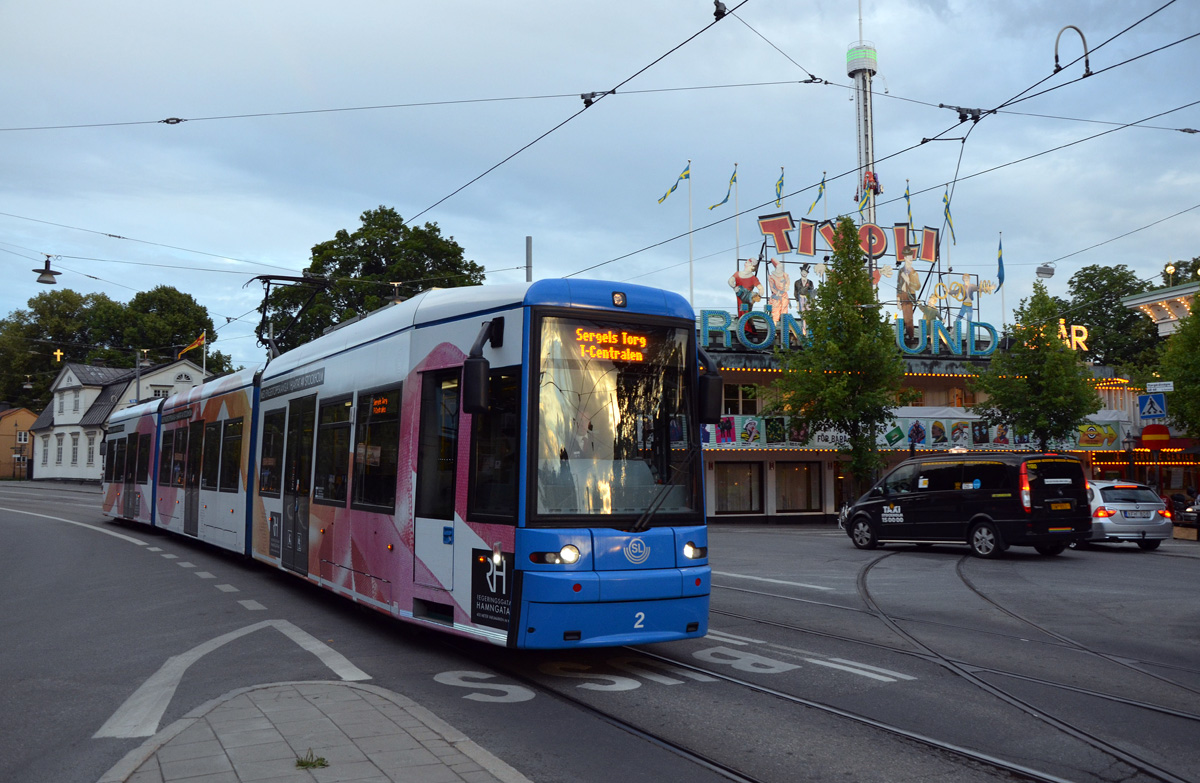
(643, 521)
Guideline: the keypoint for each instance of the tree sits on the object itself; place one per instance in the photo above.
(1038, 386)
(1181, 366)
(359, 270)
(92, 327)
(1185, 272)
(849, 377)
(1117, 336)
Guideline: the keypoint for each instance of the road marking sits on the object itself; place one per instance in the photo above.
(141, 713)
(182, 564)
(112, 533)
(771, 581)
(731, 639)
(851, 669)
(170, 556)
(205, 575)
(252, 605)
(227, 588)
(154, 549)
(888, 672)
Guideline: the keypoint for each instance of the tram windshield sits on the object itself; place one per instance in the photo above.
(615, 433)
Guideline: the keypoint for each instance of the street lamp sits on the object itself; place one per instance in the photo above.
(1046, 270)
(47, 274)
(1170, 270)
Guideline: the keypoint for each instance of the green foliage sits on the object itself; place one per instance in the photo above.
(849, 378)
(92, 327)
(361, 268)
(1117, 336)
(1185, 272)
(1038, 385)
(1181, 365)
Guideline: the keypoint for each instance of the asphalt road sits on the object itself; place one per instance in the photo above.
(823, 662)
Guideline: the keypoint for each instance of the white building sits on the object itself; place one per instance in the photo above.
(68, 433)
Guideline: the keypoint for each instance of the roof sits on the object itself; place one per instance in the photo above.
(45, 419)
(108, 399)
(93, 375)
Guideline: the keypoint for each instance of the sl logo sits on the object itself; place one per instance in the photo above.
(636, 551)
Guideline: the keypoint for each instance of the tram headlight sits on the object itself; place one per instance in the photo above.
(568, 555)
(693, 552)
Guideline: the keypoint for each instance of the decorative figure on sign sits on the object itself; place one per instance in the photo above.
(779, 280)
(969, 290)
(746, 286)
(908, 283)
(804, 292)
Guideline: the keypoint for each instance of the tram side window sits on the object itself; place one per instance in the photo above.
(437, 453)
(333, 452)
(212, 455)
(272, 452)
(119, 459)
(143, 458)
(111, 471)
(164, 458)
(494, 445)
(231, 455)
(179, 463)
(377, 449)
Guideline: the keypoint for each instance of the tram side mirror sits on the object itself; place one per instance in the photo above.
(711, 390)
(475, 391)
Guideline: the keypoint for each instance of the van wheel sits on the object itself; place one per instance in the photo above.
(862, 535)
(1050, 550)
(985, 541)
(1149, 545)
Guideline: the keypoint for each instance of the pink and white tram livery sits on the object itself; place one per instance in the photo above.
(518, 464)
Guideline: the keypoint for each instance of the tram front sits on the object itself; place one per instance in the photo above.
(613, 548)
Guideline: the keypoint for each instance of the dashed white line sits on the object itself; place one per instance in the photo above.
(252, 605)
(227, 588)
(771, 581)
(183, 564)
(154, 549)
(169, 556)
(205, 575)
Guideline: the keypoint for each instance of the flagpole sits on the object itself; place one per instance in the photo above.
(1003, 308)
(737, 216)
(204, 360)
(691, 273)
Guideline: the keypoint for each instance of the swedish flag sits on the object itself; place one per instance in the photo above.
(779, 188)
(820, 192)
(864, 201)
(908, 203)
(732, 180)
(949, 220)
(687, 174)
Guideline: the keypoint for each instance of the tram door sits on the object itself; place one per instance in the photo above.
(437, 474)
(123, 467)
(191, 478)
(297, 483)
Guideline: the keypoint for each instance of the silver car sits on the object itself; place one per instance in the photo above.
(1125, 511)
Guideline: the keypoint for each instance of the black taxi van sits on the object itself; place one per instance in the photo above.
(987, 501)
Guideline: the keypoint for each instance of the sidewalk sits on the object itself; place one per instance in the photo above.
(362, 732)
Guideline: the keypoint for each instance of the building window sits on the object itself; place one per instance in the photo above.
(58, 452)
(333, 452)
(45, 449)
(741, 399)
(962, 398)
(797, 486)
(91, 448)
(162, 392)
(75, 403)
(739, 487)
(62, 401)
(22, 437)
(919, 402)
(74, 448)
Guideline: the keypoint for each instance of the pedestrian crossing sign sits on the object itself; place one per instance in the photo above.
(1152, 406)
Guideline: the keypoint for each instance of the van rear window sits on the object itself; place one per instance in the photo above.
(1055, 471)
(985, 475)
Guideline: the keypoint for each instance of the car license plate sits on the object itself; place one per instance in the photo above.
(1137, 514)
(1060, 506)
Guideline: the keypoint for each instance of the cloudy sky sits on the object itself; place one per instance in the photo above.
(302, 115)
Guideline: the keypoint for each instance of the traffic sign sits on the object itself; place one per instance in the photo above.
(1160, 386)
(1152, 406)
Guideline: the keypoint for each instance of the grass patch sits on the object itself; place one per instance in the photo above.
(309, 761)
